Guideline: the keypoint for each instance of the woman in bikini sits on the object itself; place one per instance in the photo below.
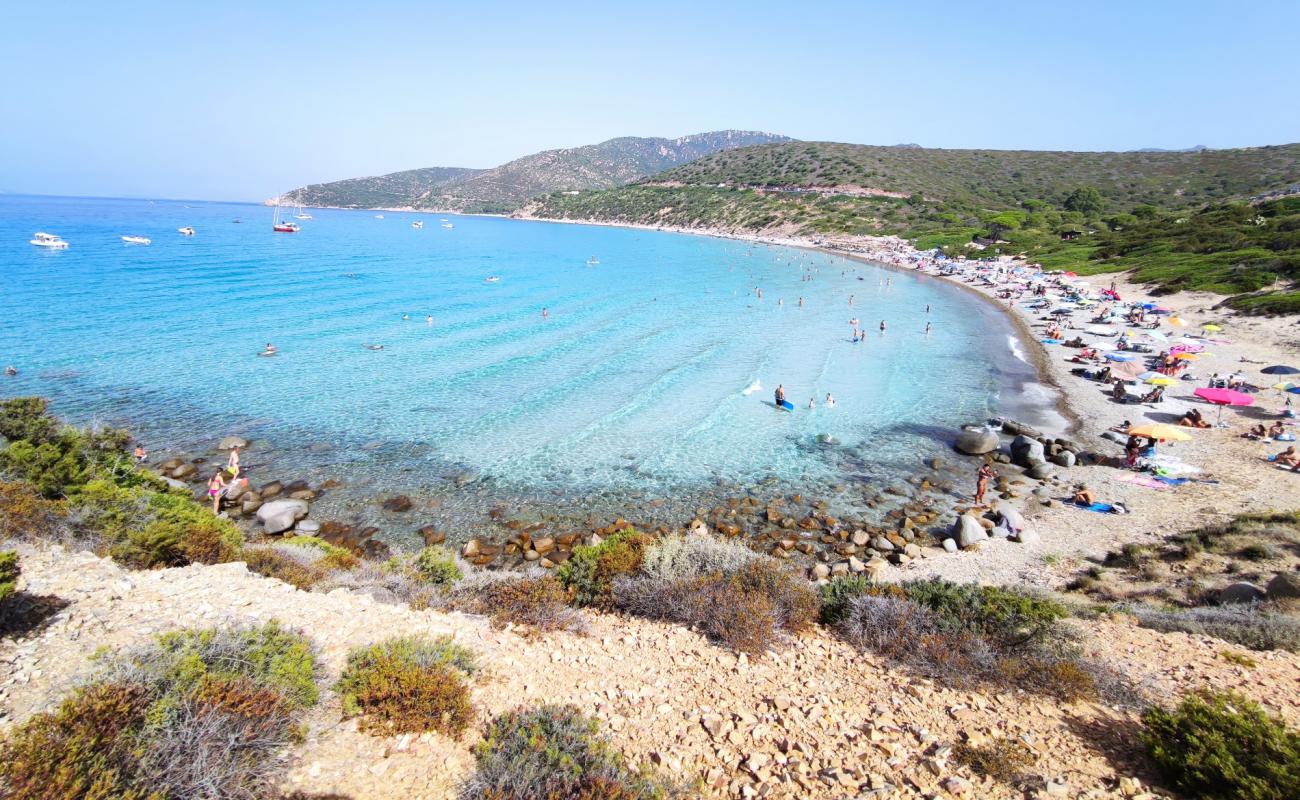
(216, 486)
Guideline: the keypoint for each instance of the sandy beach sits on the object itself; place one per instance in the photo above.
(1234, 475)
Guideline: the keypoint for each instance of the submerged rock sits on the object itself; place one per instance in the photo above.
(278, 516)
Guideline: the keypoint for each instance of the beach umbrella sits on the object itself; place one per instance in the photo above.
(1177, 322)
(1100, 330)
(1211, 328)
(1186, 356)
(1157, 335)
(1224, 397)
(1280, 369)
(1285, 386)
(1148, 375)
(1161, 380)
(1120, 357)
(1160, 430)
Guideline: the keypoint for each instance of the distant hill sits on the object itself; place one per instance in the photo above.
(504, 188)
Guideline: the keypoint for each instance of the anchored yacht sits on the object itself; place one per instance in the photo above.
(137, 240)
(49, 240)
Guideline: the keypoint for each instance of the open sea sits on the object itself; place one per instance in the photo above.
(632, 388)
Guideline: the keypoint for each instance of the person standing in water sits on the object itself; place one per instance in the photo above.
(232, 463)
(779, 394)
(927, 308)
(927, 329)
(882, 326)
(801, 302)
(428, 320)
(812, 402)
(830, 401)
(545, 312)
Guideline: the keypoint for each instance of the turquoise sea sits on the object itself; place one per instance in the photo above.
(633, 385)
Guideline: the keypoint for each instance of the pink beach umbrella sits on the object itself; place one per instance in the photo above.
(1224, 397)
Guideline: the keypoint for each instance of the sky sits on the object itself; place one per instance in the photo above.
(243, 100)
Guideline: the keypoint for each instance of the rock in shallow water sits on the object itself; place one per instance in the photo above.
(278, 516)
(976, 441)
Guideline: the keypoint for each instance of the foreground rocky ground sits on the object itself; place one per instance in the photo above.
(816, 719)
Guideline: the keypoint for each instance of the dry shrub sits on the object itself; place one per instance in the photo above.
(1067, 681)
(554, 752)
(86, 750)
(541, 603)
(747, 609)
(273, 563)
(677, 558)
(1244, 624)
(1001, 759)
(590, 572)
(24, 514)
(409, 685)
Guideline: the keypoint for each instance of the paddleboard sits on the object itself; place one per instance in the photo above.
(787, 405)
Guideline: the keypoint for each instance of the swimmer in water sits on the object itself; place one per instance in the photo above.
(545, 313)
(406, 316)
(830, 401)
(428, 320)
(270, 350)
(812, 402)
(780, 301)
(927, 329)
(850, 299)
(927, 308)
(801, 302)
(882, 326)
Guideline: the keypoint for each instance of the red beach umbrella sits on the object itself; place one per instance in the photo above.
(1224, 397)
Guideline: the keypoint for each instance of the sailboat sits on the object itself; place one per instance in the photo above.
(280, 226)
(302, 214)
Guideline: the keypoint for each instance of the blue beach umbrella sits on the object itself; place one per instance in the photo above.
(1120, 357)
(1280, 369)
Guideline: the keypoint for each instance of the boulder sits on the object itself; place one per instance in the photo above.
(826, 438)
(1040, 472)
(1064, 458)
(184, 472)
(307, 527)
(1115, 437)
(236, 490)
(278, 516)
(1027, 536)
(976, 441)
(1026, 452)
(431, 535)
(1241, 592)
(250, 504)
(1284, 586)
(399, 503)
(376, 550)
(337, 533)
(882, 544)
(820, 572)
(856, 565)
(175, 484)
(968, 531)
(270, 490)
(950, 545)
(1020, 429)
(1010, 518)
(232, 441)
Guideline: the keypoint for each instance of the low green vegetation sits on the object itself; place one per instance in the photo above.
(409, 685)
(9, 572)
(438, 566)
(1216, 745)
(195, 714)
(554, 752)
(590, 572)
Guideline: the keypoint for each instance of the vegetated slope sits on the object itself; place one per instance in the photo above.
(1217, 220)
(598, 166)
(992, 178)
(381, 191)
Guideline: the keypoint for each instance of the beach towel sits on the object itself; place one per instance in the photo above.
(1100, 508)
(1136, 479)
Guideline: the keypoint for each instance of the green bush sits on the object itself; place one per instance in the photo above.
(194, 714)
(55, 459)
(9, 572)
(1004, 617)
(272, 563)
(554, 752)
(1224, 746)
(540, 603)
(836, 594)
(409, 685)
(437, 565)
(590, 572)
(145, 528)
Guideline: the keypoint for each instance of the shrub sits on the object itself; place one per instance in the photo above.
(1242, 624)
(409, 685)
(553, 752)
(9, 572)
(745, 609)
(1007, 618)
(273, 563)
(437, 565)
(539, 602)
(836, 594)
(679, 557)
(56, 459)
(24, 514)
(87, 748)
(27, 419)
(269, 656)
(1224, 746)
(1064, 679)
(590, 572)
(1001, 759)
(389, 583)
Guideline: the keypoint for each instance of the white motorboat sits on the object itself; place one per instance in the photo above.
(186, 231)
(136, 240)
(491, 279)
(448, 225)
(418, 224)
(48, 240)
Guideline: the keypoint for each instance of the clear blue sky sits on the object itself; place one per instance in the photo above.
(241, 100)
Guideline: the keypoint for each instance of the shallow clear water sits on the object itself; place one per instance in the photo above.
(635, 381)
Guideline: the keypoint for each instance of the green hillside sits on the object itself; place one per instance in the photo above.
(599, 166)
(1180, 220)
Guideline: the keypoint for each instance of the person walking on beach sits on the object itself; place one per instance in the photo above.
(982, 482)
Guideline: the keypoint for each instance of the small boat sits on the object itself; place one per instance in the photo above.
(136, 240)
(418, 224)
(48, 240)
(280, 226)
(302, 214)
(186, 231)
(491, 279)
(593, 261)
(448, 225)
(379, 216)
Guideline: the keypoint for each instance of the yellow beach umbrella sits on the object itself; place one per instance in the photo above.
(1177, 322)
(1160, 430)
(1162, 380)
(1211, 328)
(1186, 356)
(1285, 385)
